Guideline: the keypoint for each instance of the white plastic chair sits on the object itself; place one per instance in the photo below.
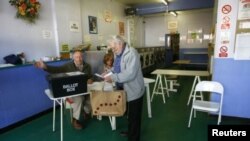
(207, 106)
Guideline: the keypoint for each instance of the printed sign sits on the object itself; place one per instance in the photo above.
(226, 27)
(226, 19)
(226, 9)
(244, 10)
(223, 51)
(74, 26)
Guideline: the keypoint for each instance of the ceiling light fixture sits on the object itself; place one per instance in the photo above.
(173, 13)
(165, 2)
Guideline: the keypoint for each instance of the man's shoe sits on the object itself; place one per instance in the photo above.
(76, 124)
(124, 133)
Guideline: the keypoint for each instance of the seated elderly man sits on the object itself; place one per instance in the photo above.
(77, 64)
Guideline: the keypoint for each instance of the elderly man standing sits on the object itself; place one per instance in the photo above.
(76, 65)
(127, 74)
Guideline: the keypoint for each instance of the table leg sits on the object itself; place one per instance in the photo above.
(162, 90)
(155, 86)
(61, 104)
(166, 84)
(54, 114)
(148, 101)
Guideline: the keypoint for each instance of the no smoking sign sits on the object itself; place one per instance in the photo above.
(223, 51)
(226, 9)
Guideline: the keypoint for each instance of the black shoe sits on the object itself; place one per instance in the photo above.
(124, 133)
(86, 115)
(76, 124)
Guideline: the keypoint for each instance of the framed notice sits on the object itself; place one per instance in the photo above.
(121, 28)
(244, 10)
(172, 25)
(74, 26)
(93, 25)
(194, 36)
(242, 47)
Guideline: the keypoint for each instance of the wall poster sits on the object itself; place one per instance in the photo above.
(121, 28)
(226, 28)
(93, 25)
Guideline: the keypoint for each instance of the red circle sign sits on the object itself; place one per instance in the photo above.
(226, 9)
(223, 49)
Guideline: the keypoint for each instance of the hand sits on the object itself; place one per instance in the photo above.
(108, 79)
(40, 64)
(90, 81)
(103, 74)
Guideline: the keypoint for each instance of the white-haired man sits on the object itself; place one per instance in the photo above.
(128, 76)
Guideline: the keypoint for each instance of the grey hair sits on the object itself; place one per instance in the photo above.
(118, 39)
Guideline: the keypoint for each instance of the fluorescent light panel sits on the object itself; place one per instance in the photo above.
(173, 13)
(165, 2)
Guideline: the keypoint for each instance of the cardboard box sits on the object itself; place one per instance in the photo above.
(66, 84)
(108, 103)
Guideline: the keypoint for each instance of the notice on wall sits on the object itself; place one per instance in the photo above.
(74, 26)
(244, 9)
(172, 26)
(107, 15)
(242, 48)
(226, 28)
(121, 28)
(47, 34)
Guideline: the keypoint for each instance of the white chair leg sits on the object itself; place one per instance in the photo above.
(99, 117)
(194, 113)
(112, 120)
(219, 119)
(201, 96)
(190, 118)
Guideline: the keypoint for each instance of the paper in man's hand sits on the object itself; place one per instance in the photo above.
(106, 75)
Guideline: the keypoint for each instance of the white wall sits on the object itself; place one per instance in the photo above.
(105, 30)
(19, 36)
(139, 32)
(55, 15)
(156, 26)
(66, 12)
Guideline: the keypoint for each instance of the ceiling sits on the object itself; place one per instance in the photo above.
(144, 7)
(136, 2)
